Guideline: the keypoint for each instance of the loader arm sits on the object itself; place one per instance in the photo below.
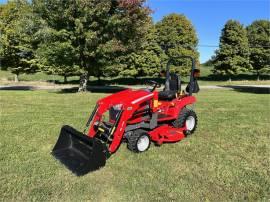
(127, 114)
(118, 128)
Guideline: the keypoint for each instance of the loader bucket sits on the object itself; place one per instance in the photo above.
(78, 152)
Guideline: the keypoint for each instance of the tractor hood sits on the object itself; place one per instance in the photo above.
(127, 98)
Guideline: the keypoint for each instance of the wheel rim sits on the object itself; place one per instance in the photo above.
(143, 143)
(190, 123)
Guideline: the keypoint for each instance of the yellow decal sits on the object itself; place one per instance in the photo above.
(155, 103)
(101, 129)
(113, 130)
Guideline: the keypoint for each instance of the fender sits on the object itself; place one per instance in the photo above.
(183, 102)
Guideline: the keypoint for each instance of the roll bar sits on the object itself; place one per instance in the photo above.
(191, 74)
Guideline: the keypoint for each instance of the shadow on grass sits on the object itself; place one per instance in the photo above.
(122, 81)
(61, 82)
(105, 89)
(94, 89)
(250, 89)
(142, 80)
(114, 81)
(25, 88)
(67, 90)
(239, 77)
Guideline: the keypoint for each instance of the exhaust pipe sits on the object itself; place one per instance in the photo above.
(78, 152)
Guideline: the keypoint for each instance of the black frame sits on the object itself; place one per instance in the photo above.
(191, 74)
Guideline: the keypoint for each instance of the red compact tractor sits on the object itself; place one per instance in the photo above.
(137, 117)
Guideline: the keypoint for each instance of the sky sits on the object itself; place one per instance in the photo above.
(209, 16)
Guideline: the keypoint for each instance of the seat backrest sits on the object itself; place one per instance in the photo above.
(196, 87)
(174, 82)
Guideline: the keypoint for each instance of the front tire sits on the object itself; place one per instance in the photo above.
(139, 141)
(188, 118)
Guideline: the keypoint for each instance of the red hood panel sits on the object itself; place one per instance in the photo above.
(126, 97)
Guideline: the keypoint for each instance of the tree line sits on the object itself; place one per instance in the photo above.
(243, 49)
(91, 37)
(116, 38)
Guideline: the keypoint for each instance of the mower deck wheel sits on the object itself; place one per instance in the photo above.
(139, 141)
(188, 118)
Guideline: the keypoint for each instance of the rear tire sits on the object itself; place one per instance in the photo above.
(139, 141)
(186, 117)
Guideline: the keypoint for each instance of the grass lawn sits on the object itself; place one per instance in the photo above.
(226, 159)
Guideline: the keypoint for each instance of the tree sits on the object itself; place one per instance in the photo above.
(232, 57)
(259, 42)
(146, 61)
(177, 37)
(2, 7)
(58, 58)
(211, 61)
(17, 27)
(55, 53)
(98, 31)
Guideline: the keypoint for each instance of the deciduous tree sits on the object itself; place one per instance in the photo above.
(98, 31)
(58, 58)
(147, 61)
(17, 27)
(177, 37)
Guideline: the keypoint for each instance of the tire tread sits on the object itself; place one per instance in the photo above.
(181, 119)
(132, 140)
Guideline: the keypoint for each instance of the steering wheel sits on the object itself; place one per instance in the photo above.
(154, 84)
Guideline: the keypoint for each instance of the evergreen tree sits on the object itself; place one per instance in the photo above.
(232, 57)
(259, 42)
(211, 61)
(177, 37)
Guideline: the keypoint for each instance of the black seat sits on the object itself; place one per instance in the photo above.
(167, 95)
(173, 86)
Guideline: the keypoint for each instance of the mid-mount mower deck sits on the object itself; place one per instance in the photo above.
(137, 117)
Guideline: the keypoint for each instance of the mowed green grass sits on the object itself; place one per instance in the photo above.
(228, 157)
